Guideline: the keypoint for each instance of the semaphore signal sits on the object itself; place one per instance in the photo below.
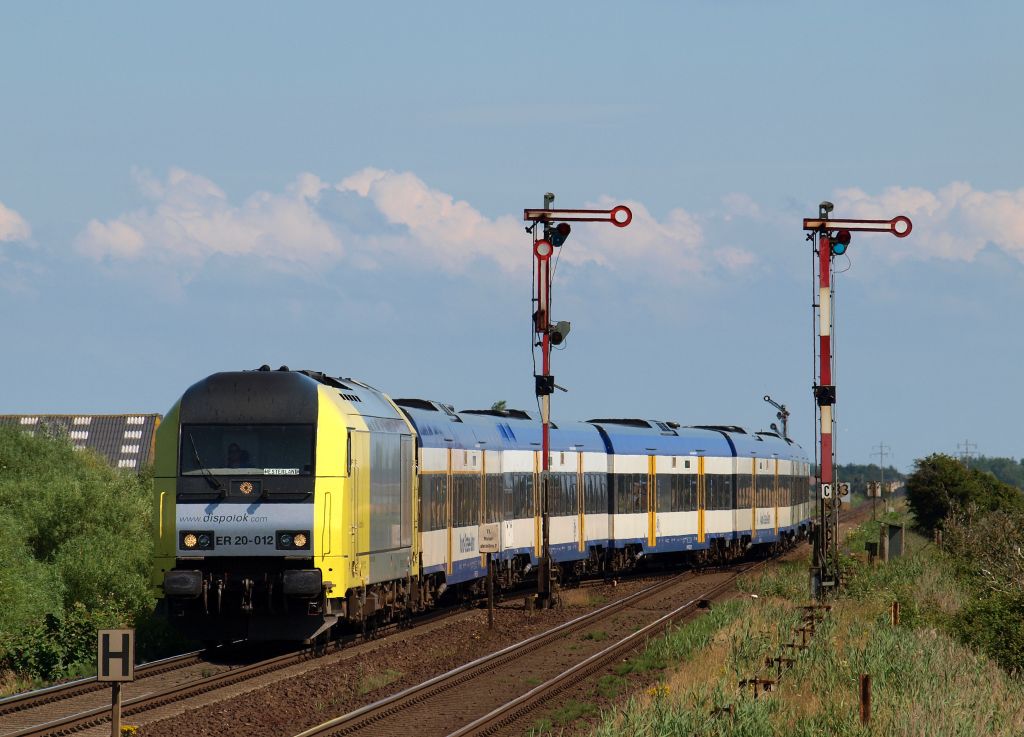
(832, 237)
(556, 230)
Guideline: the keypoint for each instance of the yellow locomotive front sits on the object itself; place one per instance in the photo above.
(285, 504)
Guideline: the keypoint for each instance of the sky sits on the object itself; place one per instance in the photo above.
(192, 188)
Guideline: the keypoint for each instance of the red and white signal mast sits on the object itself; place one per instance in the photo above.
(833, 237)
(554, 230)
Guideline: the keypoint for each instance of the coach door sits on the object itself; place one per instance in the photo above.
(581, 501)
(775, 496)
(702, 491)
(753, 498)
(652, 500)
(449, 489)
(537, 522)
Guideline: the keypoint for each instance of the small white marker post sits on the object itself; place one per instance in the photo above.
(119, 646)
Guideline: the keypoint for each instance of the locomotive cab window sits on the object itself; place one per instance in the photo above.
(232, 450)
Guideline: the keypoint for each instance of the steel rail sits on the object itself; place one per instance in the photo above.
(517, 707)
(393, 704)
(61, 691)
(99, 715)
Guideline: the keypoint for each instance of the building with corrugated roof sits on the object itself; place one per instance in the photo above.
(127, 441)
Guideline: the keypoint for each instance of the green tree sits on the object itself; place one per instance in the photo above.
(499, 406)
(74, 553)
(941, 485)
(1006, 470)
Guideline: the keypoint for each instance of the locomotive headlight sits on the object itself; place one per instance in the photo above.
(292, 539)
(196, 540)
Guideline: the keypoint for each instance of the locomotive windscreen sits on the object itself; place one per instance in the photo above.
(269, 450)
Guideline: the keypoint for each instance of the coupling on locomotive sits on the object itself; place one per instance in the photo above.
(291, 502)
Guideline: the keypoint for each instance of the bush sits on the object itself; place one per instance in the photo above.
(74, 554)
(994, 625)
(941, 485)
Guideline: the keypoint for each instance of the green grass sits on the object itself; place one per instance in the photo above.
(562, 716)
(378, 679)
(596, 636)
(924, 681)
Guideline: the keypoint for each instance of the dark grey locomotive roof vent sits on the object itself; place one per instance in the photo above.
(322, 378)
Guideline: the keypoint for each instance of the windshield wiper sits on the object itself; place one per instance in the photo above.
(207, 473)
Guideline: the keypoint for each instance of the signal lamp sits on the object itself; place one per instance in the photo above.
(841, 242)
(299, 540)
(558, 333)
(557, 234)
(190, 540)
(286, 540)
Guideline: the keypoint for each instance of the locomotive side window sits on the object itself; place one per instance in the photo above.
(283, 450)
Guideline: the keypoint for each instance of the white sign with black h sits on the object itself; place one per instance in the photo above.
(115, 655)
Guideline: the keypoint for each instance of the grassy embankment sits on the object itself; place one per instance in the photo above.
(75, 544)
(924, 680)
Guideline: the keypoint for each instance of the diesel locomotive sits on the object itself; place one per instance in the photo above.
(287, 503)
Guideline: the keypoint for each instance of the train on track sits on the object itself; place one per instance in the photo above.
(288, 504)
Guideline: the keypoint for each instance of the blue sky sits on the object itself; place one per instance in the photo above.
(187, 189)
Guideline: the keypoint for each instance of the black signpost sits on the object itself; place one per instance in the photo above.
(115, 663)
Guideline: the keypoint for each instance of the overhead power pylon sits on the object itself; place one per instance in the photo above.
(550, 229)
(829, 238)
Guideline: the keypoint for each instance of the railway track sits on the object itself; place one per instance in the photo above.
(39, 697)
(79, 705)
(133, 705)
(473, 694)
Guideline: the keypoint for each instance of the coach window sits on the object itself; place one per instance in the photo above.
(663, 487)
(728, 493)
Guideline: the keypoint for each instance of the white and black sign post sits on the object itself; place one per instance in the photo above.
(115, 662)
(490, 538)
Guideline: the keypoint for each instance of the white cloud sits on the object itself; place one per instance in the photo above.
(451, 233)
(441, 230)
(13, 227)
(191, 219)
(954, 223)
